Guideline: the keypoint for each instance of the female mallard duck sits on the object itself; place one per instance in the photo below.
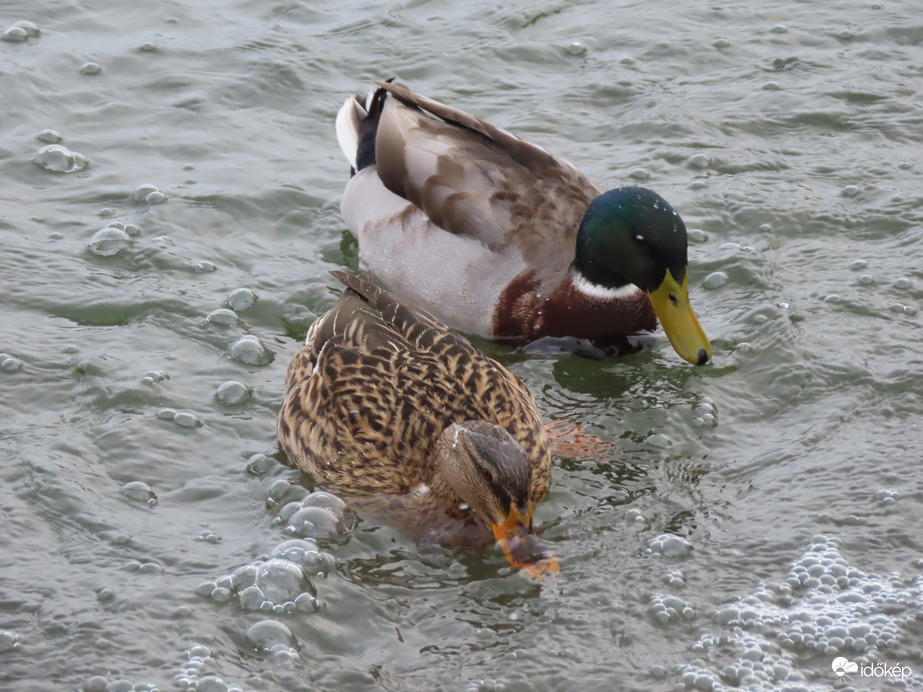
(497, 237)
(384, 399)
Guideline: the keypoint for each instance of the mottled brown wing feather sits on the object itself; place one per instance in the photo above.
(365, 407)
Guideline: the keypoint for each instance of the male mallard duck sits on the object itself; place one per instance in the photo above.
(497, 237)
(384, 399)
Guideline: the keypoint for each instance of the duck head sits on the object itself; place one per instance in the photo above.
(631, 235)
(491, 472)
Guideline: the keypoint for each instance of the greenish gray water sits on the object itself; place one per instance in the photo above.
(761, 515)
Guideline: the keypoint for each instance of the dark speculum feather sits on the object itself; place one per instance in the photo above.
(368, 128)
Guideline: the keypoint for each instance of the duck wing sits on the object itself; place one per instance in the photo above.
(475, 179)
(378, 382)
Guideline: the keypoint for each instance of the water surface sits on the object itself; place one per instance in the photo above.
(755, 519)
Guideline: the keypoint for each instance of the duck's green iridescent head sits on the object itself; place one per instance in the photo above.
(631, 235)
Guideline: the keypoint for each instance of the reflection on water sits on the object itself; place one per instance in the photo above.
(170, 213)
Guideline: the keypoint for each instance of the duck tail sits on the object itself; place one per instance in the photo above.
(357, 125)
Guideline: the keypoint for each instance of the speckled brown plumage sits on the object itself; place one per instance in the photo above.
(376, 384)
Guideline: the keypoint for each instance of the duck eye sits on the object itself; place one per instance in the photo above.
(674, 299)
(488, 476)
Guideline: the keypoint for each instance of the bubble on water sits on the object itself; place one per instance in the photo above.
(659, 440)
(665, 609)
(240, 299)
(211, 683)
(166, 413)
(850, 191)
(668, 545)
(259, 464)
(187, 419)
(9, 640)
(132, 229)
(139, 491)
(316, 522)
(49, 136)
(697, 235)
(249, 349)
(222, 317)
(779, 29)
(147, 47)
(97, 683)
(266, 634)
(576, 48)
(153, 377)
(722, 43)
(845, 34)
(858, 264)
(278, 582)
(896, 307)
(91, 68)
(204, 267)
(206, 588)
(676, 579)
(233, 393)
(305, 553)
(9, 363)
(319, 515)
(109, 241)
(21, 31)
(282, 492)
(903, 284)
(15, 34)
(105, 595)
(59, 159)
(698, 162)
(866, 280)
(772, 86)
(141, 193)
(640, 174)
(319, 498)
(199, 673)
(825, 607)
(715, 280)
(887, 496)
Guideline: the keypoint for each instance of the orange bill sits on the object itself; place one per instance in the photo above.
(521, 547)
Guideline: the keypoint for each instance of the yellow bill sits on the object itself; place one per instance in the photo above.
(671, 304)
